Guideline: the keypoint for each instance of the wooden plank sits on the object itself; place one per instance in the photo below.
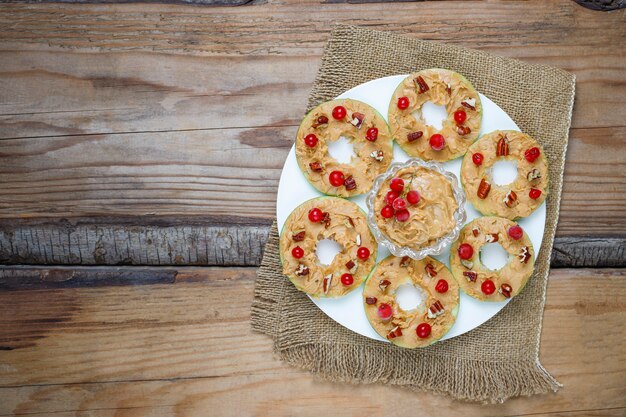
(188, 349)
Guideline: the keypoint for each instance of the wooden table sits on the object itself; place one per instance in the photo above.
(140, 151)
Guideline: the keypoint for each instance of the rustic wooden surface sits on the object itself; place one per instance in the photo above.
(136, 140)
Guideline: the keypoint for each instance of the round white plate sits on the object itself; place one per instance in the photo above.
(348, 311)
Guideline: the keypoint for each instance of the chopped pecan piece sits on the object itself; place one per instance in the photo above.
(467, 264)
(471, 275)
(322, 120)
(502, 148)
(395, 332)
(505, 289)
(383, 284)
(524, 255)
(533, 175)
(475, 231)
(421, 84)
(378, 155)
(350, 221)
(350, 183)
(350, 264)
(463, 130)
(358, 240)
(510, 198)
(302, 270)
(328, 279)
(404, 262)
(315, 166)
(448, 89)
(412, 137)
(491, 237)
(370, 300)
(326, 220)
(298, 237)
(436, 309)
(357, 119)
(483, 189)
(430, 270)
(470, 103)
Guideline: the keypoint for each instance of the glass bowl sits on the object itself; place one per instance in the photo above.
(460, 216)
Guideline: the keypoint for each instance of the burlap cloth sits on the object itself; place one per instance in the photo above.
(493, 362)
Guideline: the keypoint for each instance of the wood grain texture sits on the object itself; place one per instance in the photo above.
(187, 349)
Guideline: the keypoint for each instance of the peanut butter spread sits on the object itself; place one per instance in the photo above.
(430, 219)
(366, 130)
(471, 273)
(513, 200)
(441, 87)
(343, 222)
(438, 311)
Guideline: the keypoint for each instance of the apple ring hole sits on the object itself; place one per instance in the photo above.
(326, 250)
(504, 172)
(493, 256)
(341, 150)
(409, 297)
(432, 114)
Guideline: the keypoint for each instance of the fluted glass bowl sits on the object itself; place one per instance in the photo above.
(440, 245)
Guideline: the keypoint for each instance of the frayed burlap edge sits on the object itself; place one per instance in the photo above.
(359, 360)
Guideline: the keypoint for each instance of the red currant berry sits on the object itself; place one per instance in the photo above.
(413, 197)
(403, 103)
(391, 196)
(477, 158)
(531, 154)
(423, 330)
(310, 140)
(442, 286)
(399, 204)
(465, 251)
(339, 112)
(437, 142)
(372, 134)
(460, 116)
(297, 252)
(316, 215)
(516, 232)
(488, 287)
(397, 184)
(384, 311)
(402, 215)
(363, 253)
(387, 212)
(534, 193)
(347, 279)
(336, 178)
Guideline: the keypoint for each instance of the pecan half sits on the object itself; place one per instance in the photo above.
(421, 84)
(430, 270)
(383, 284)
(505, 289)
(413, 136)
(315, 166)
(491, 237)
(467, 264)
(475, 231)
(436, 309)
(463, 130)
(328, 279)
(350, 183)
(502, 148)
(533, 175)
(524, 255)
(378, 155)
(322, 120)
(302, 270)
(510, 198)
(395, 332)
(471, 275)
(357, 119)
(483, 189)
(405, 261)
(299, 237)
(470, 103)
(370, 300)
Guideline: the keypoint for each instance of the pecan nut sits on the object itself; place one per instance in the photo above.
(436, 309)
(470, 103)
(302, 270)
(395, 332)
(483, 189)
(370, 300)
(405, 261)
(524, 255)
(350, 183)
(350, 264)
(430, 270)
(505, 289)
(463, 130)
(510, 198)
(322, 120)
(491, 237)
(502, 148)
(328, 279)
(326, 220)
(533, 175)
(315, 167)
(475, 231)
(421, 84)
(357, 119)
(413, 136)
(299, 237)
(467, 264)
(471, 275)
(378, 155)
(383, 284)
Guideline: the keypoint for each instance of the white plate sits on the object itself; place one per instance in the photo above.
(294, 189)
